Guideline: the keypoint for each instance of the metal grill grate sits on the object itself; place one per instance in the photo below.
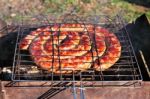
(124, 72)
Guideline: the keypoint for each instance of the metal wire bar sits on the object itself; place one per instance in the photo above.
(74, 87)
(14, 63)
(82, 92)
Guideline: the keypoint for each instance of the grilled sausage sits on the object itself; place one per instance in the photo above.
(72, 47)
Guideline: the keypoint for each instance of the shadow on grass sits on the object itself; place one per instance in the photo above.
(145, 3)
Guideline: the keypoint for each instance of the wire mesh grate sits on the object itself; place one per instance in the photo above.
(125, 70)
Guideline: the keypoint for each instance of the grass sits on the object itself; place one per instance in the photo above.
(87, 7)
(132, 11)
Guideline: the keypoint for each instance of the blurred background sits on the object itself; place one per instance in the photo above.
(14, 9)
